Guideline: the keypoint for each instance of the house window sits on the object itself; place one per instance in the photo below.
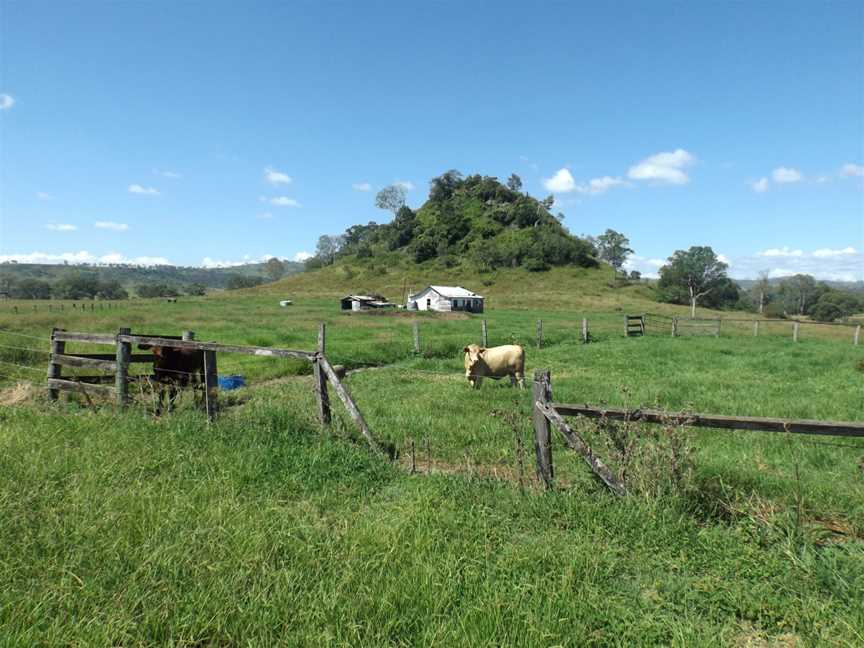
(428, 303)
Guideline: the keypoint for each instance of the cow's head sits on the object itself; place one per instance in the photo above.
(473, 357)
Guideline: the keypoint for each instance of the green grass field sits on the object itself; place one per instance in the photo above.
(259, 529)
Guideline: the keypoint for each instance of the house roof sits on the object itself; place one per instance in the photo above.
(451, 292)
(364, 297)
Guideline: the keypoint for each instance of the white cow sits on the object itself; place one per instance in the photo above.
(495, 362)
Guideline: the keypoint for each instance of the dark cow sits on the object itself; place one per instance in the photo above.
(175, 369)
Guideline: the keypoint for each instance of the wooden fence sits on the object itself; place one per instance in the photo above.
(547, 415)
(114, 382)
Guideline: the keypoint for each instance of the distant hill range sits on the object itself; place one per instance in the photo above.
(131, 276)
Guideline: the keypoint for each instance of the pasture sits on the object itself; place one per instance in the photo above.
(123, 529)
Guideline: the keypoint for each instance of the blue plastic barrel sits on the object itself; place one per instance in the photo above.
(228, 383)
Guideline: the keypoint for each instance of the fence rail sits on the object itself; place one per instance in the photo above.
(548, 414)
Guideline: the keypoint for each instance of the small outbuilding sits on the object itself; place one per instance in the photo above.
(446, 298)
(365, 302)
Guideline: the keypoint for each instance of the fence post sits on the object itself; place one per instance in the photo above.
(542, 428)
(188, 335)
(626, 327)
(717, 330)
(539, 333)
(484, 334)
(756, 328)
(795, 327)
(322, 396)
(584, 330)
(674, 327)
(54, 370)
(857, 335)
(211, 381)
(416, 328)
(124, 351)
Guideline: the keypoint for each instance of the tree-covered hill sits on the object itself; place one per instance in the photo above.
(116, 281)
(474, 222)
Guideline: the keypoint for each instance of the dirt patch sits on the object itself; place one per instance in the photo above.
(20, 393)
(752, 637)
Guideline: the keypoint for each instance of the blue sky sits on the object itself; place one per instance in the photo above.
(227, 131)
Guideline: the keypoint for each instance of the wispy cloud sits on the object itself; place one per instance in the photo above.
(600, 185)
(663, 168)
(41, 195)
(760, 185)
(302, 256)
(828, 252)
(264, 216)
(407, 185)
(840, 264)
(111, 225)
(561, 182)
(167, 174)
(852, 171)
(6, 102)
(146, 191)
(275, 177)
(284, 201)
(361, 186)
(781, 252)
(786, 175)
(61, 227)
(83, 257)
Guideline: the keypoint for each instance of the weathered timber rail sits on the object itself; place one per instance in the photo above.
(753, 423)
(548, 415)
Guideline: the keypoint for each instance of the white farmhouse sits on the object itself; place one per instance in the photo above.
(446, 298)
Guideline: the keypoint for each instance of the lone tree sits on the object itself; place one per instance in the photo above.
(613, 248)
(391, 198)
(514, 182)
(328, 247)
(275, 268)
(694, 274)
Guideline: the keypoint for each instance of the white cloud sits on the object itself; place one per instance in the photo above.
(83, 257)
(41, 195)
(840, 264)
(110, 225)
(284, 201)
(664, 168)
(600, 185)
(561, 182)
(167, 174)
(361, 186)
(822, 179)
(138, 189)
(828, 252)
(852, 171)
(760, 186)
(275, 177)
(407, 185)
(264, 216)
(61, 227)
(209, 262)
(785, 175)
(302, 256)
(722, 258)
(6, 102)
(781, 252)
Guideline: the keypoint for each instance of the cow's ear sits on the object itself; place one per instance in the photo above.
(465, 350)
(481, 351)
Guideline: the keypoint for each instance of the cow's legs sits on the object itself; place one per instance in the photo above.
(519, 378)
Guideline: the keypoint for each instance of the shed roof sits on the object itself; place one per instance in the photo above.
(452, 292)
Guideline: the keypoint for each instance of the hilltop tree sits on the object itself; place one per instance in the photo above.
(391, 198)
(693, 274)
(613, 248)
(274, 268)
(328, 247)
(514, 182)
(442, 187)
